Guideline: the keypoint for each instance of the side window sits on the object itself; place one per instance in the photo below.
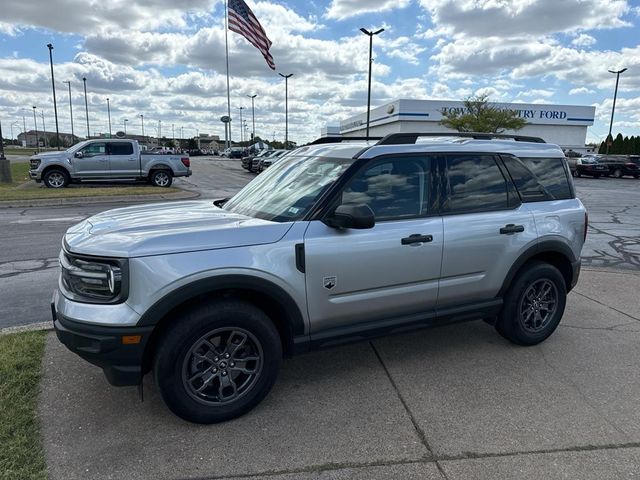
(120, 148)
(474, 184)
(525, 181)
(552, 175)
(394, 188)
(93, 149)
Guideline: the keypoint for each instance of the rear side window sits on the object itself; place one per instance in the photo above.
(525, 181)
(552, 175)
(474, 184)
(121, 148)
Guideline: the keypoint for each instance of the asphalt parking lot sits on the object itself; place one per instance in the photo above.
(456, 402)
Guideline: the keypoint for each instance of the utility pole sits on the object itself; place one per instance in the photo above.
(125, 125)
(35, 124)
(241, 127)
(71, 110)
(286, 109)
(44, 130)
(5, 167)
(253, 117)
(142, 123)
(615, 95)
(109, 115)
(86, 105)
(370, 34)
(55, 107)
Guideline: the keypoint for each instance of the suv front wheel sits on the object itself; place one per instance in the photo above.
(534, 304)
(217, 361)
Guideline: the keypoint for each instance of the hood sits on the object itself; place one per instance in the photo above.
(43, 155)
(164, 228)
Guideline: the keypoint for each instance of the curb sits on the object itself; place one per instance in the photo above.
(27, 328)
(49, 202)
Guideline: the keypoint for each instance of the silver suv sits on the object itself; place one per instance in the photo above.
(335, 243)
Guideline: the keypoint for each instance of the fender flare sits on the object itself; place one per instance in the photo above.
(183, 294)
(545, 246)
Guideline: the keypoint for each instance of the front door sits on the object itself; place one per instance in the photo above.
(356, 276)
(94, 162)
(123, 162)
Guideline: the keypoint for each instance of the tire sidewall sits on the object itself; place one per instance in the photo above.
(177, 342)
(156, 172)
(509, 324)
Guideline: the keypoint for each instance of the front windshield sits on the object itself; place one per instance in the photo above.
(77, 146)
(287, 190)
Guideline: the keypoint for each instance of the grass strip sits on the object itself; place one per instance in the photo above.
(21, 453)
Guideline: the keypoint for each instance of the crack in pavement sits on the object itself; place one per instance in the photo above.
(12, 269)
(608, 306)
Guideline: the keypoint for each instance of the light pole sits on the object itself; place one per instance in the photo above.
(11, 126)
(615, 95)
(24, 127)
(125, 125)
(142, 123)
(70, 109)
(370, 34)
(286, 109)
(44, 129)
(241, 127)
(86, 105)
(5, 168)
(253, 117)
(109, 116)
(53, 86)
(159, 130)
(35, 124)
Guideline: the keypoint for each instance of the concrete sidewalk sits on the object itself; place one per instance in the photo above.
(456, 402)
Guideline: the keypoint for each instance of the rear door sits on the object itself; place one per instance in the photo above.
(486, 228)
(94, 162)
(123, 161)
(358, 276)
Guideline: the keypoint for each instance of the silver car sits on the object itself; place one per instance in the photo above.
(334, 243)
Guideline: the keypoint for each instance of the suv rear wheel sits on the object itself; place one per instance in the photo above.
(533, 305)
(217, 361)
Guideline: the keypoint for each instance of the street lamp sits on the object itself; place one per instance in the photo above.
(142, 123)
(11, 126)
(125, 125)
(109, 116)
(35, 124)
(615, 95)
(370, 34)
(53, 86)
(68, 82)
(286, 108)
(253, 117)
(86, 105)
(44, 129)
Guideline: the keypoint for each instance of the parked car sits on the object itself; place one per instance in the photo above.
(266, 162)
(619, 166)
(247, 160)
(589, 166)
(255, 162)
(107, 160)
(335, 243)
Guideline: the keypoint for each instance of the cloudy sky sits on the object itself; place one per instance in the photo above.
(165, 59)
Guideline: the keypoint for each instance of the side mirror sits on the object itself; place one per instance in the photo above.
(78, 155)
(351, 216)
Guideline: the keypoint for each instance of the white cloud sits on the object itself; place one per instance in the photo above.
(583, 40)
(581, 91)
(341, 9)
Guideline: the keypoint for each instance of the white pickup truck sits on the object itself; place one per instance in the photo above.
(107, 160)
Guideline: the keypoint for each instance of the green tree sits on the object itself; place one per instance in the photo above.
(171, 144)
(192, 144)
(481, 116)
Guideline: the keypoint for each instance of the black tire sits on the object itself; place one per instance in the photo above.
(519, 304)
(574, 173)
(636, 176)
(578, 174)
(161, 178)
(179, 363)
(596, 175)
(617, 173)
(56, 178)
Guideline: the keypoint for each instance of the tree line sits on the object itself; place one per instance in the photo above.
(622, 145)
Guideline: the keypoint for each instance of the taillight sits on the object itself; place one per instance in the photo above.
(586, 225)
(185, 161)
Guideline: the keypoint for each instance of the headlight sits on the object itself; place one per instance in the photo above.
(94, 280)
(35, 163)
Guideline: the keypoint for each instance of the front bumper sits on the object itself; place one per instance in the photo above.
(105, 347)
(35, 175)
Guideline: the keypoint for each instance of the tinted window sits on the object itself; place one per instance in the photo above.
(121, 148)
(394, 188)
(93, 149)
(475, 183)
(525, 181)
(551, 174)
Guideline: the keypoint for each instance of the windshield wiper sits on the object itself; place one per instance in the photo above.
(221, 201)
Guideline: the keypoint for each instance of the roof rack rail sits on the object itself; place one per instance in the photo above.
(322, 140)
(411, 138)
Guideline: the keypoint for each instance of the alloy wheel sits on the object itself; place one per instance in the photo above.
(538, 305)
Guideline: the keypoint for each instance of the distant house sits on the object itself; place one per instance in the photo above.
(33, 139)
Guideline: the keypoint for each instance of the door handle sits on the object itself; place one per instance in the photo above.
(416, 238)
(511, 228)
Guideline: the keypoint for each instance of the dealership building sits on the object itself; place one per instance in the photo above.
(564, 125)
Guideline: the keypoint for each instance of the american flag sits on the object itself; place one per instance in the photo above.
(243, 21)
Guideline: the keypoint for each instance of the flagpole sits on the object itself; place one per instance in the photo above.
(226, 47)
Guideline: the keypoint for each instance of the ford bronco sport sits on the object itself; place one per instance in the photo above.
(335, 243)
